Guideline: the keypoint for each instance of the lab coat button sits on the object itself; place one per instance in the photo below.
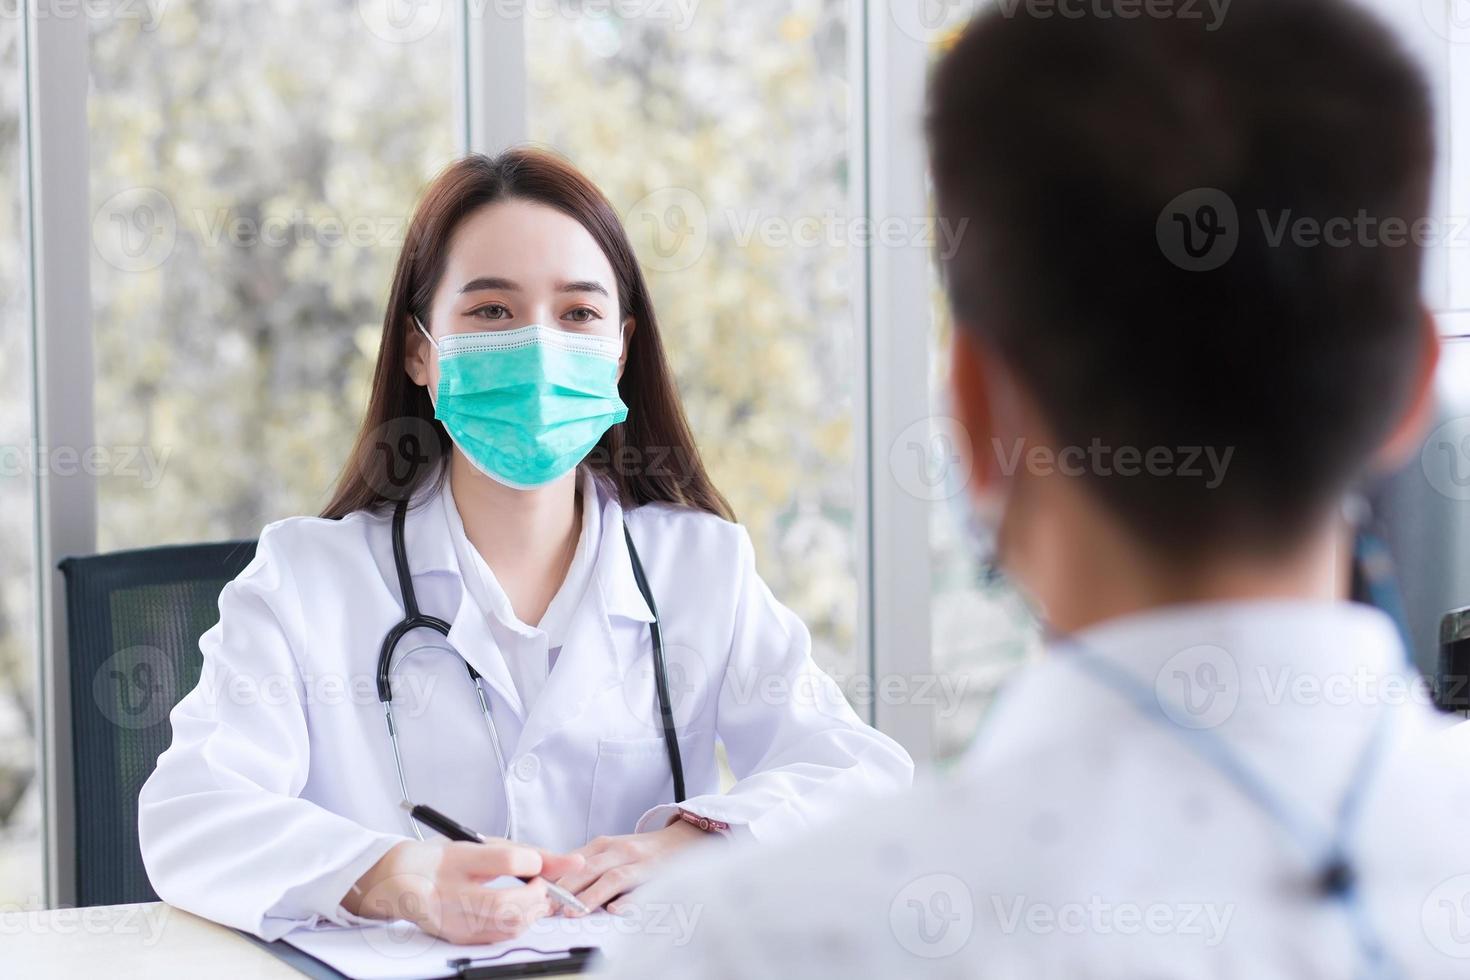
(527, 767)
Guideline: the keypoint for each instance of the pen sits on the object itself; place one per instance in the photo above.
(438, 822)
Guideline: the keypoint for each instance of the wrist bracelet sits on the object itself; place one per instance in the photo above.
(704, 823)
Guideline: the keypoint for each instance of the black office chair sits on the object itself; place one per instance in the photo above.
(134, 619)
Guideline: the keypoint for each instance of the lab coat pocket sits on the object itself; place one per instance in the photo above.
(630, 778)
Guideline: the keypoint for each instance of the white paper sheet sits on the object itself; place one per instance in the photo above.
(401, 951)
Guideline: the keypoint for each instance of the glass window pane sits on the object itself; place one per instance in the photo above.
(20, 788)
(1437, 34)
(723, 140)
(980, 626)
(1423, 511)
(253, 167)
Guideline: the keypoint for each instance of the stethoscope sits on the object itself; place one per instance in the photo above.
(414, 619)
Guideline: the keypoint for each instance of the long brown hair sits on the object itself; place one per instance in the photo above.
(650, 457)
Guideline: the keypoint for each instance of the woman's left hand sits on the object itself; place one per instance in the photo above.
(617, 865)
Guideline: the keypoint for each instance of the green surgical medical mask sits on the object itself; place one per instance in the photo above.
(526, 406)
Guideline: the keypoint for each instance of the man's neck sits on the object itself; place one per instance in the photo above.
(1084, 569)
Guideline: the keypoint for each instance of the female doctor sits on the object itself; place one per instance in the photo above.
(526, 606)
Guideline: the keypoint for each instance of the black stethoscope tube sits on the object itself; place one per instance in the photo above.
(413, 619)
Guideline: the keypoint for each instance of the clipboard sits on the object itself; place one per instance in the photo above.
(569, 963)
(574, 960)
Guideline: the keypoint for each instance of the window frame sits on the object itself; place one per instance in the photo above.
(58, 231)
(895, 578)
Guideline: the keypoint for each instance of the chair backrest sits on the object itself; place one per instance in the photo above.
(134, 619)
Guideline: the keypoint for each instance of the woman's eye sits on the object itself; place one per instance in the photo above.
(494, 311)
(582, 314)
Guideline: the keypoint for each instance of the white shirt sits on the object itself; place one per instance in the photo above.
(529, 651)
(279, 789)
(1084, 838)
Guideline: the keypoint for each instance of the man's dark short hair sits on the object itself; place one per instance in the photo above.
(1064, 140)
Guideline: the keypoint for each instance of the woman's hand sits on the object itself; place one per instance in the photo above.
(615, 866)
(440, 887)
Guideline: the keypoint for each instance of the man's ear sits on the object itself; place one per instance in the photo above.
(629, 325)
(1407, 434)
(416, 355)
(970, 383)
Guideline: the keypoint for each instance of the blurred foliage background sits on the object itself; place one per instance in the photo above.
(699, 137)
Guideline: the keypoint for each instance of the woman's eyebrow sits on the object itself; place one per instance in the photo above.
(583, 286)
(489, 282)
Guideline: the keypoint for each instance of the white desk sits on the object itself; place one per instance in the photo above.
(130, 941)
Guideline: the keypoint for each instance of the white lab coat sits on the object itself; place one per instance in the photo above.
(1085, 838)
(279, 789)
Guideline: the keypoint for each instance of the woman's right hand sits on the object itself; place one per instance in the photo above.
(440, 887)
